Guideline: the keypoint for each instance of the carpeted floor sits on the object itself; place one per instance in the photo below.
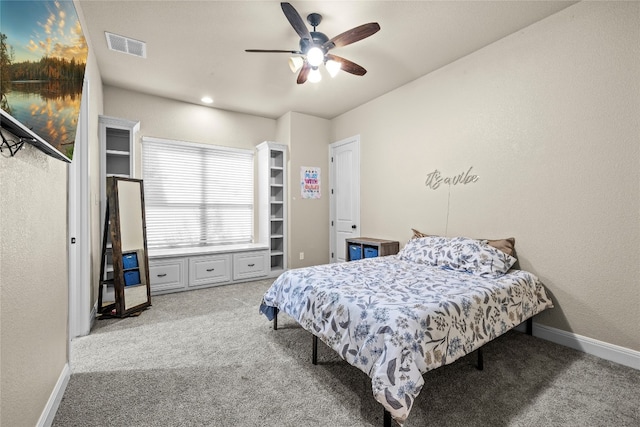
(207, 358)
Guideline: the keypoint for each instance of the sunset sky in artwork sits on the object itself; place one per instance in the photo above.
(43, 28)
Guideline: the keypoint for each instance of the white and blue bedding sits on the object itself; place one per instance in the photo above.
(396, 318)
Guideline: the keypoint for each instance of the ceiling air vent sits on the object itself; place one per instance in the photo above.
(126, 45)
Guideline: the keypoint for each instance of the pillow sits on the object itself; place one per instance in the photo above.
(418, 234)
(458, 253)
(508, 246)
(505, 245)
(425, 250)
(479, 258)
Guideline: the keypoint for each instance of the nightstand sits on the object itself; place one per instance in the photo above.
(367, 247)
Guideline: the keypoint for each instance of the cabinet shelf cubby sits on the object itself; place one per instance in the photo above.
(272, 195)
(367, 247)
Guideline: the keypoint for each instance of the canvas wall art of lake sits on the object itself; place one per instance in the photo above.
(43, 54)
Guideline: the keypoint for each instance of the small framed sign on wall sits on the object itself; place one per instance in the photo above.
(310, 182)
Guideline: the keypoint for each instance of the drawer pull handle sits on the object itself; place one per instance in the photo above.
(162, 275)
(251, 265)
(210, 269)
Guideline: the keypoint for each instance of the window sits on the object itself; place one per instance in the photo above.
(196, 194)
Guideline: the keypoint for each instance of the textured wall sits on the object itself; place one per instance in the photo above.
(308, 218)
(549, 119)
(33, 282)
(169, 119)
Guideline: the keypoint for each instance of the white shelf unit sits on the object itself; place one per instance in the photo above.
(117, 137)
(272, 203)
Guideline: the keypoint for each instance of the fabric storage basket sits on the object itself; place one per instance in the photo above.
(130, 260)
(131, 278)
(355, 252)
(370, 252)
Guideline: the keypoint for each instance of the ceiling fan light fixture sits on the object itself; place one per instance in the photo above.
(315, 56)
(314, 75)
(315, 46)
(295, 63)
(333, 67)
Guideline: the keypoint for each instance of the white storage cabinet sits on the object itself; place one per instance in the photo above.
(172, 270)
(272, 204)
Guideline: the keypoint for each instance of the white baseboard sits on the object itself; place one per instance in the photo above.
(612, 352)
(49, 412)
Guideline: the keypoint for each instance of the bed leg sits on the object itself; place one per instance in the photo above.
(275, 320)
(386, 420)
(480, 364)
(530, 326)
(314, 350)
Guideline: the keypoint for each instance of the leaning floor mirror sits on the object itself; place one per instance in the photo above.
(127, 251)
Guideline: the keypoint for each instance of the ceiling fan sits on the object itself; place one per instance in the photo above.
(315, 46)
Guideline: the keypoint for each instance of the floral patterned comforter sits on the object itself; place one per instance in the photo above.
(396, 320)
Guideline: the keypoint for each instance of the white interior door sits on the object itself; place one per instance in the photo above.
(345, 195)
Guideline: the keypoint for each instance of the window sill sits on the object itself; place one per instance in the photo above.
(205, 250)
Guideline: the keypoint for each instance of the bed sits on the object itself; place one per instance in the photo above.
(398, 317)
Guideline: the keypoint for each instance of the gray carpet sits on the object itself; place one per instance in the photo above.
(207, 358)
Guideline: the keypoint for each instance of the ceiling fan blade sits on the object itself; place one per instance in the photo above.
(297, 52)
(353, 35)
(304, 73)
(296, 20)
(348, 66)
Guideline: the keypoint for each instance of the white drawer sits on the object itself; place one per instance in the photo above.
(249, 264)
(167, 274)
(205, 270)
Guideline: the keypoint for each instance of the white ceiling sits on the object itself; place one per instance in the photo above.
(196, 48)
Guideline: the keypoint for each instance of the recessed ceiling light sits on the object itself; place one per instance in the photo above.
(207, 100)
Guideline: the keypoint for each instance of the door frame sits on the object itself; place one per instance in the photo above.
(79, 243)
(355, 140)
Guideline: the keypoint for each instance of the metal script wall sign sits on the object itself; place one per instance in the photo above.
(434, 179)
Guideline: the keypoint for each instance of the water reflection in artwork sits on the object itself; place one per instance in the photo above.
(42, 61)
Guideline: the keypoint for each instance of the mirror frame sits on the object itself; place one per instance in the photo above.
(133, 298)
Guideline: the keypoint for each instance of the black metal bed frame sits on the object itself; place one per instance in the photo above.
(387, 415)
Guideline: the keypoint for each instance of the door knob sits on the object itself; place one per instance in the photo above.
(353, 226)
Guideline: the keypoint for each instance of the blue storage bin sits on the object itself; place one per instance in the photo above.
(355, 252)
(370, 252)
(130, 260)
(131, 278)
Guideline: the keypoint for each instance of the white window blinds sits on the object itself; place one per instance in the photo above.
(196, 194)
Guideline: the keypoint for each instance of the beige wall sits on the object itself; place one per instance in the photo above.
(549, 119)
(308, 230)
(166, 118)
(33, 282)
(34, 300)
